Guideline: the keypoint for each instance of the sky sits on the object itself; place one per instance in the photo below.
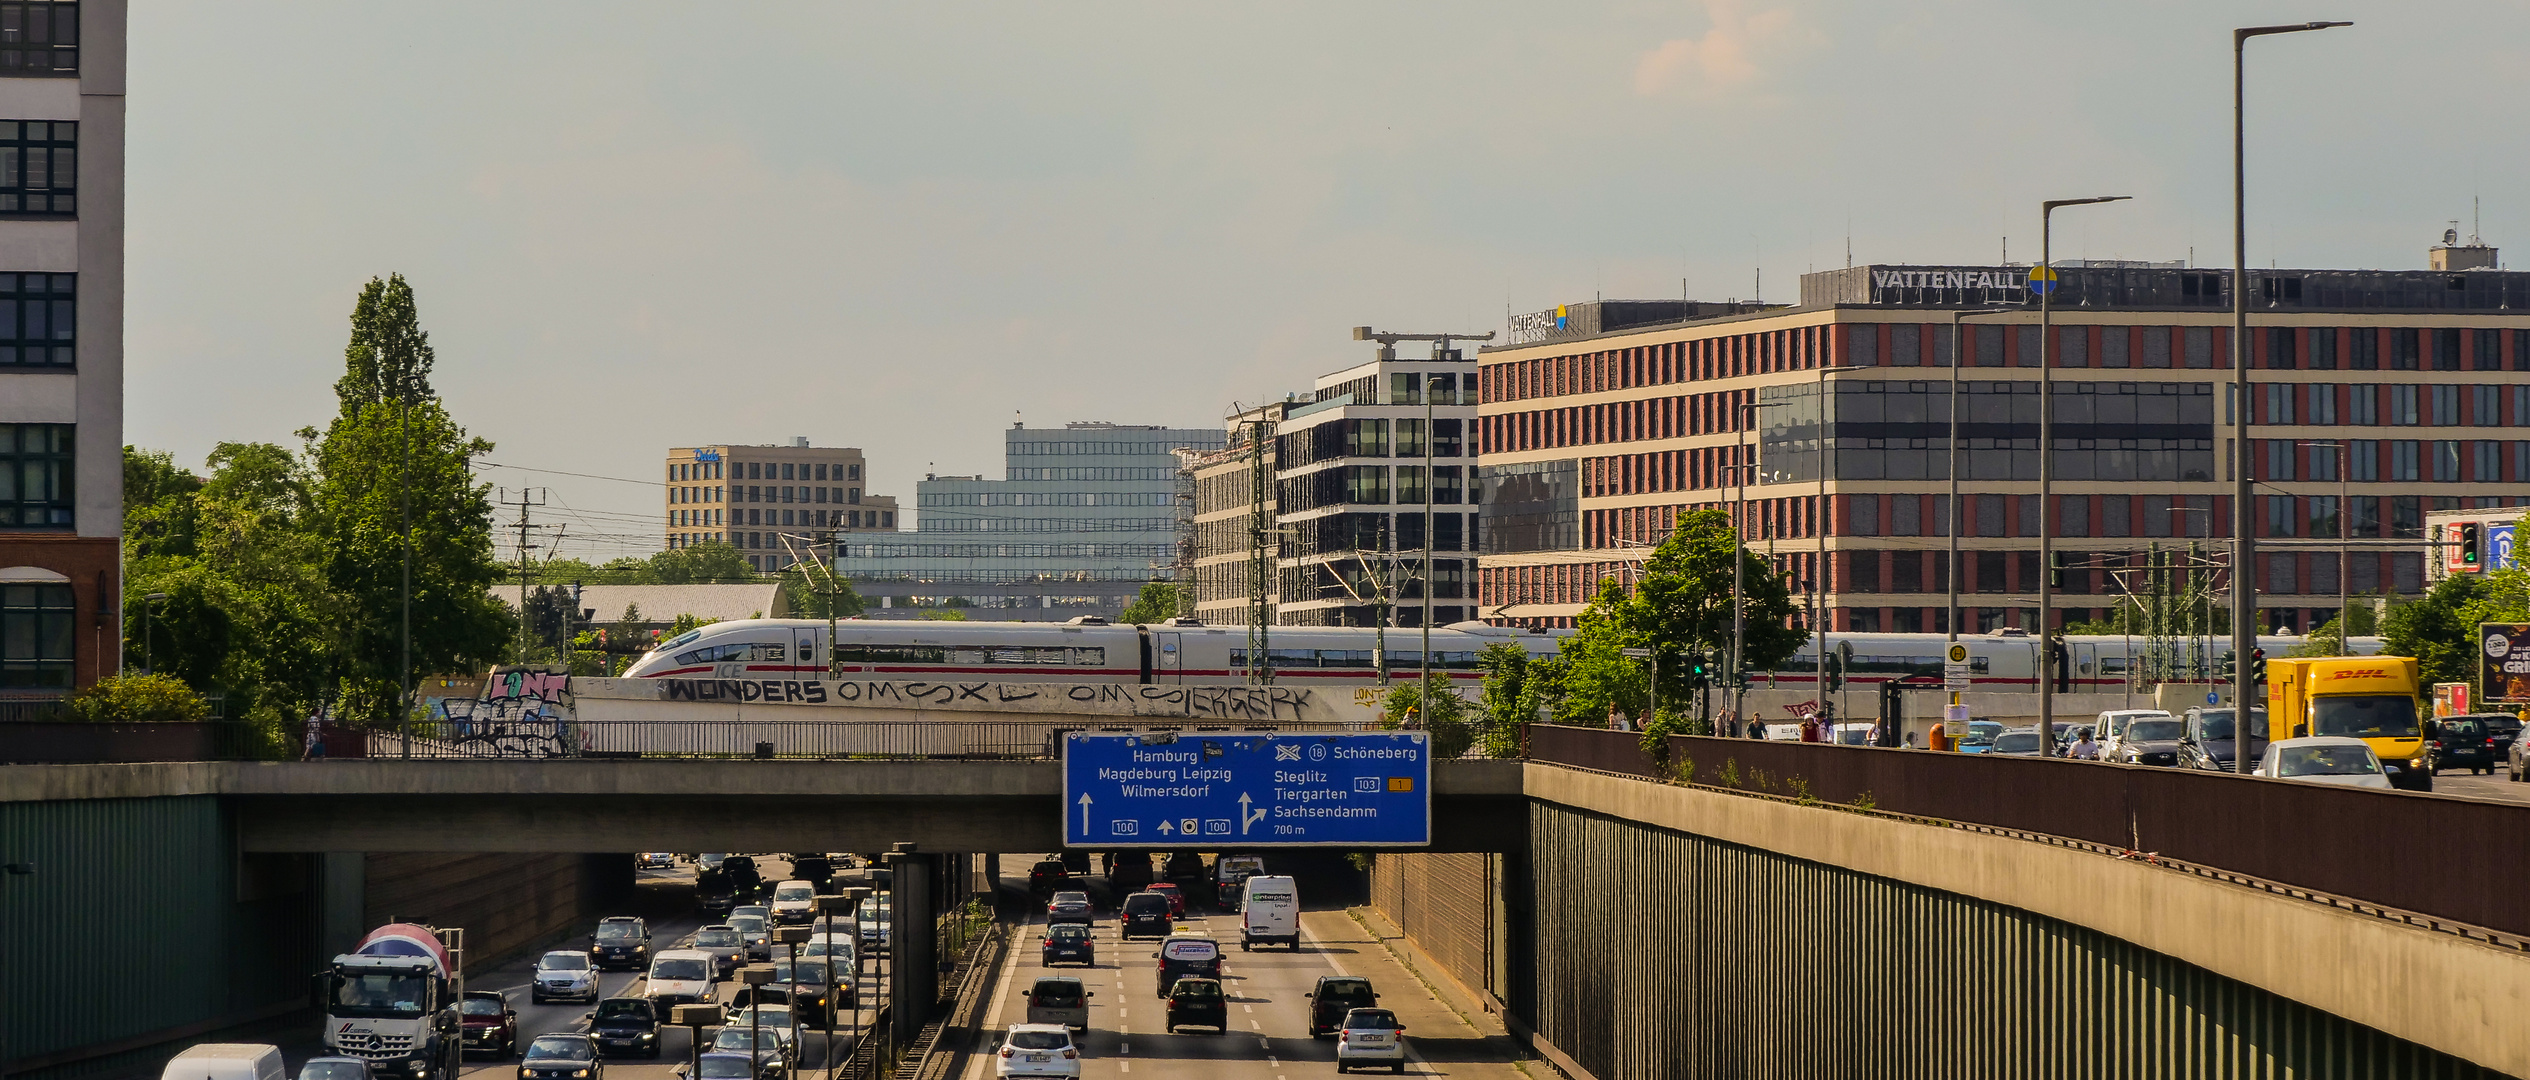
(634, 225)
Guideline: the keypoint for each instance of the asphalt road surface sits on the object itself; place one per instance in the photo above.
(2496, 788)
(1268, 1037)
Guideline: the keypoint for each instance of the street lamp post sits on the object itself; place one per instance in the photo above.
(1739, 565)
(2045, 279)
(149, 641)
(1958, 334)
(2244, 545)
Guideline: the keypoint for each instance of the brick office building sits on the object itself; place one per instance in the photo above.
(1594, 441)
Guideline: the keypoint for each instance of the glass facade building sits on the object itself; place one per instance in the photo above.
(1081, 517)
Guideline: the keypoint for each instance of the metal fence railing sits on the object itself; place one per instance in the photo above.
(2391, 849)
(1007, 740)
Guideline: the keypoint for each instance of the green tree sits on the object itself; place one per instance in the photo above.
(158, 505)
(945, 614)
(1681, 604)
(1506, 666)
(807, 587)
(702, 564)
(394, 445)
(1157, 603)
(1437, 709)
(2439, 630)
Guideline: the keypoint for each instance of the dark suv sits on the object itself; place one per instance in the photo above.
(1334, 996)
(1144, 913)
(2207, 742)
(1046, 877)
(2473, 741)
(623, 941)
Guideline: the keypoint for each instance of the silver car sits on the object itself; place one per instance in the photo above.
(725, 944)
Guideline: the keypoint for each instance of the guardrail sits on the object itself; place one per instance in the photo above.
(1022, 740)
(2411, 852)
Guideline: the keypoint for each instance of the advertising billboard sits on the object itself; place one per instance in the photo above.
(2503, 669)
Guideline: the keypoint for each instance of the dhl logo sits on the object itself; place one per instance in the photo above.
(2361, 673)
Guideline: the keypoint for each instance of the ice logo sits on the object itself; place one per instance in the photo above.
(2498, 646)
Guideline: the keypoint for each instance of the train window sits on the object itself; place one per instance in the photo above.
(1459, 660)
(767, 650)
(1292, 658)
(713, 654)
(1349, 658)
(1090, 657)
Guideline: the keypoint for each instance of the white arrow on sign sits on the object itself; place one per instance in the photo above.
(1247, 817)
(1167, 826)
(1085, 813)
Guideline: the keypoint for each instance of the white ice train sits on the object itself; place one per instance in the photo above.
(1184, 651)
(1080, 651)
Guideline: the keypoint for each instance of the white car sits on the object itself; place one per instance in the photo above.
(2326, 759)
(681, 977)
(1370, 1037)
(655, 860)
(794, 903)
(1037, 1050)
(564, 975)
(773, 1020)
(876, 925)
(840, 946)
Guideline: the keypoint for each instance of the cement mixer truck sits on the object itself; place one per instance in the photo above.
(393, 1002)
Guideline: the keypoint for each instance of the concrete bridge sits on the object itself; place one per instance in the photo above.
(1740, 908)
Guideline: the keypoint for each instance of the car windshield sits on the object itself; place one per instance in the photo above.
(1038, 1040)
(2154, 730)
(624, 1009)
(746, 924)
(334, 1070)
(1070, 930)
(727, 1068)
(718, 939)
(618, 931)
(814, 974)
(1196, 988)
(2326, 761)
(1343, 988)
(558, 1048)
(2503, 727)
(475, 1006)
(1056, 993)
(1370, 1019)
(2364, 716)
(795, 893)
(1140, 903)
(2017, 742)
(1982, 732)
(743, 1038)
(677, 968)
(1071, 898)
(563, 962)
(381, 995)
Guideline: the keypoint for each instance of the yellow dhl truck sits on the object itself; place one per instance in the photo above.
(2372, 698)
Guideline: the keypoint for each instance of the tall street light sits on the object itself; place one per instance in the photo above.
(2044, 279)
(2244, 550)
(1739, 564)
(1958, 333)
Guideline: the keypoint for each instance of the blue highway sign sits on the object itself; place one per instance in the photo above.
(1225, 790)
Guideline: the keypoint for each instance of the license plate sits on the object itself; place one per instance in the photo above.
(1368, 1039)
(1040, 1057)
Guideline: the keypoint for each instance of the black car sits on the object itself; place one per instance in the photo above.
(626, 1027)
(1198, 1003)
(1144, 913)
(723, 1065)
(2150, 740)
(1334, 996)
(1047, 876)
(562, 1057)
(2205, 739)
(1071, 944)
(622, 942)
(816, 869)
(2473, 741)
(745, 879)
(715, 893)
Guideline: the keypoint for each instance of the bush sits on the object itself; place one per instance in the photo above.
(138, 699)
(1448, 724)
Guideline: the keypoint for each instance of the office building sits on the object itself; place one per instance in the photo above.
(1081, 518)
(2408, 383)
(775, 503)
(61, 344)
(1356, 471)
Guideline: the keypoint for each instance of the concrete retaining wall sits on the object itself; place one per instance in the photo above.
(507, 903)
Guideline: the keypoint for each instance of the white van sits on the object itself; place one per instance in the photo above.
(681, 977)
(226, 1061)
(1269, 911)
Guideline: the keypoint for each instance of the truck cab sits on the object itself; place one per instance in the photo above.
(394, 1002)
(2372, 698)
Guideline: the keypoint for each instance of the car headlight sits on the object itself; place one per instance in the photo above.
(581, 1072)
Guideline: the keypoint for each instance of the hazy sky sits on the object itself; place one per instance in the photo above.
(638, 225)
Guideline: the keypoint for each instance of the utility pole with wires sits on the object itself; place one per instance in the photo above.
(831, 590)
(1441, 351)
(1383, 594)
(528, 500)
(1260, 668)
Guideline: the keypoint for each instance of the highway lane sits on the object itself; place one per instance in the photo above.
(668, 903)
(2493, 788)
(1267, 1038)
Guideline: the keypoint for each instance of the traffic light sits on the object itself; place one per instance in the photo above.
(1699, 671)
(2472, 544)
(2257, 669)
(2055, 570)
(1835, 672)
(2223, 670)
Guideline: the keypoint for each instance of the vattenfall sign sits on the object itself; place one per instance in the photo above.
(1541, 325)
(1931, 283)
